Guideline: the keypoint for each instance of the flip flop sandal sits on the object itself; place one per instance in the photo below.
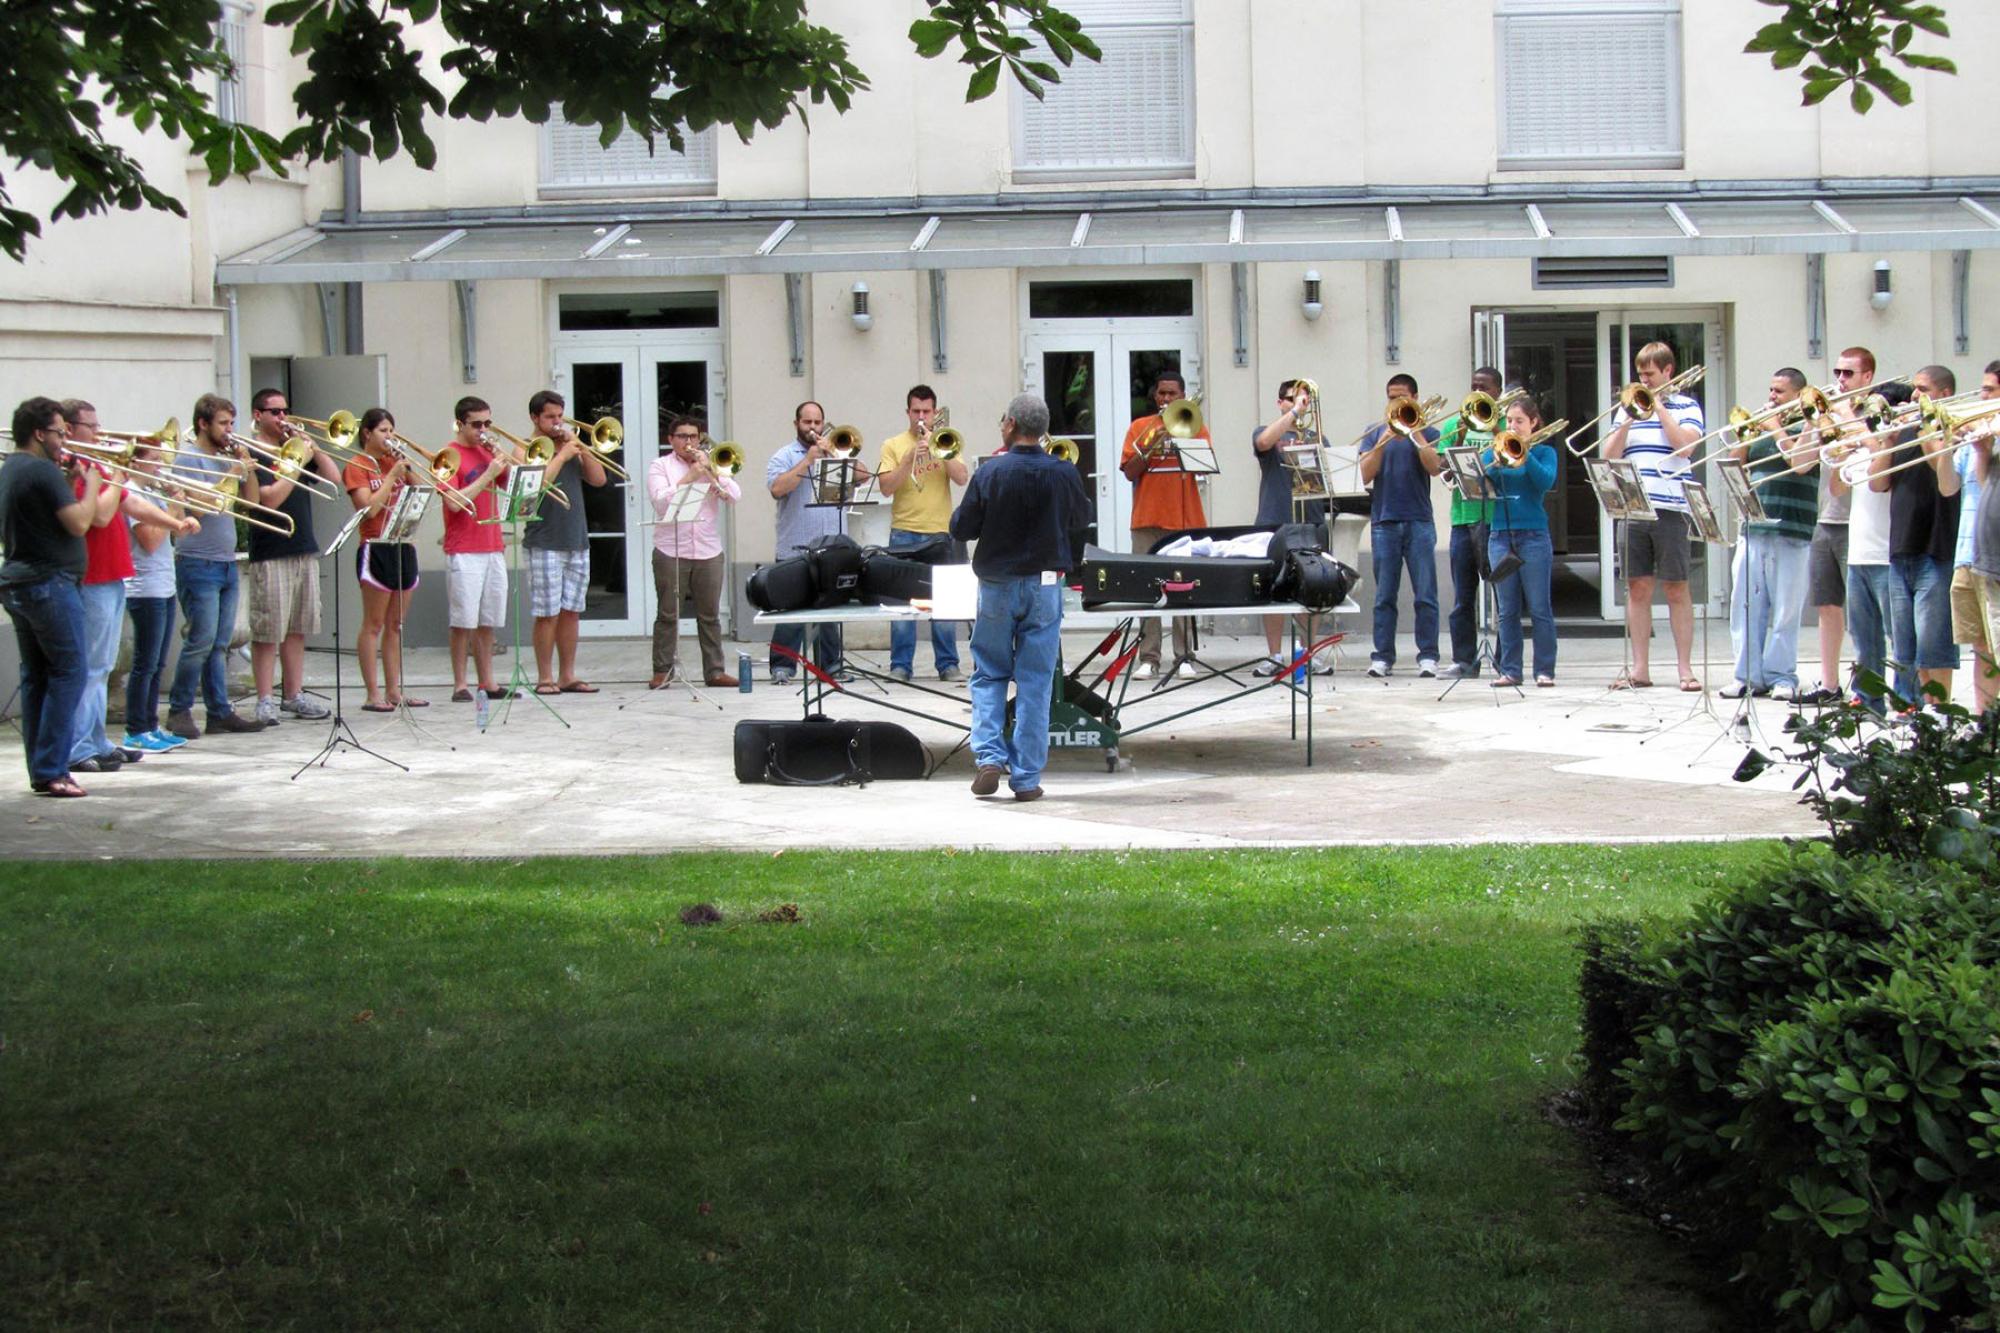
(1690, 685)
(579, 687)
(547, 689)
(412, 702)
(62, 787)
(1545, 682)
(378, 708)
(461, 696)
(1631, 683)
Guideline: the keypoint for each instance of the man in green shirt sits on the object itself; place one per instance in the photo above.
(1468, 536)
(1774, 553)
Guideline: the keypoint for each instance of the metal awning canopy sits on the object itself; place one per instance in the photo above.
(1035, 233)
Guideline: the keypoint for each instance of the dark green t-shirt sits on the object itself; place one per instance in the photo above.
(1791, 500)
(32, 492)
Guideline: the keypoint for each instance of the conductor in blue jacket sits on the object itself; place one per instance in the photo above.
(1024, 508)
(1521, 530)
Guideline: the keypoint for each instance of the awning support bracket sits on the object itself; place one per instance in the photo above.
(795, 321)
(940, 353)
(330, 300)
(468, 326)
(1392, 311)
(1239, 306)
(1961, 302)
(1815, 307)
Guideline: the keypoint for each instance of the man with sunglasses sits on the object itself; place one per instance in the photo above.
(281, 573)
(1826, 562)
(475, 559)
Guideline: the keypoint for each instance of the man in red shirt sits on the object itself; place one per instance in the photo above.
(1164, 500)
(108, 551)
(474, 548)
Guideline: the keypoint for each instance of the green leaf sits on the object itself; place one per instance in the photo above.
(984, 81)
(932, 36)
(1861, 99)
(1771, 37)
(1938, 63)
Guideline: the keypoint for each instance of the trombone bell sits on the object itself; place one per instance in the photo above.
(726, 456)
(1064, 448)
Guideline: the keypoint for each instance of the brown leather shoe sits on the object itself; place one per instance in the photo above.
(722, 680)
(657, 682)
(987, 780)
(1031, 794)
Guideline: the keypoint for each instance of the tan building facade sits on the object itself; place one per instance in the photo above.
(1539, 183)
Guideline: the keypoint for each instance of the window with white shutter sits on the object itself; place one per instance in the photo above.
(1130, 115)
(1588, 83)
(232, 93)
(575, 164)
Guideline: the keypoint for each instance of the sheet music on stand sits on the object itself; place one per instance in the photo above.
(347, 529)
(1470, 474)
(1620, 489)
(1701, 513)
(1196, 457)
(524, 490)
(683, 506)
(406, 513)
(834, 483)
(1306, 466)
(1736, 480)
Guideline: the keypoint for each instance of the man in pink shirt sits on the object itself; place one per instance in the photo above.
(474, 549)
(687, 556)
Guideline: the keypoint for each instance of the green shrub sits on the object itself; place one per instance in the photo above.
(1814, 1052)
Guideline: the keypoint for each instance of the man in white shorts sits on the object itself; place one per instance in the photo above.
(475, 552)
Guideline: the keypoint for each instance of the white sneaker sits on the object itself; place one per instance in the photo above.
(267, 710)
(1188, 671)
(1784, 693)
(1427, 666)
(1378, 669)
(1322, 666)
(1145, 671)
(1735, 689)
(307, 707)
(1267, 668)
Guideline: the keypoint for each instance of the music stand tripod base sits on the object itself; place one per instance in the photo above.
(521, 509)
(339, 733)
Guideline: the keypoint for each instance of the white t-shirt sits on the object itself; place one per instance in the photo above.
(1868, 527)
(1660, 469)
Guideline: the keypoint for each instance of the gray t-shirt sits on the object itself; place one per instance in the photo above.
(799, 519)
(1832, 508)
(561, 528)
(217, 538)
(152, 571)
(1986, 546)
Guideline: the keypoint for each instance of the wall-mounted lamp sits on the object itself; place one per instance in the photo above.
(1885, 290)
(862, 319)
(1311, 306)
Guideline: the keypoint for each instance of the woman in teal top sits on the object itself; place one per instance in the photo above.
(1521, 530)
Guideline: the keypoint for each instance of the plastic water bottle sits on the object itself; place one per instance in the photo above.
(742, 672)
(481, 712)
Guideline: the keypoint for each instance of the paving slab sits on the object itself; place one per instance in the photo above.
(638, 771)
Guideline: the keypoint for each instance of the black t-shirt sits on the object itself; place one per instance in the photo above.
(32, 491)
(1921, 522)
(298, 505)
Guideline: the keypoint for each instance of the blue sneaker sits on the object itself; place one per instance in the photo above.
(165, 740)
(144, 743)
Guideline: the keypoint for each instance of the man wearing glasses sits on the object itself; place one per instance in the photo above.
(1826, 564)
(687, 555)
(475, 560)
(281, 574)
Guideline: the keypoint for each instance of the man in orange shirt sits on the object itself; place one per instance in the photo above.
(1164, 500)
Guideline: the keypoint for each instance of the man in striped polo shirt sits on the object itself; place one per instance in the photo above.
(1773, 592)
(1658, 551)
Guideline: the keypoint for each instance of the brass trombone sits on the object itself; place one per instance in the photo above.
(1481, 411)
(342, 430)
(724, 456)
(1305, 410)
(1511, 450)
(1064, 448)
(603, 437)
(167, 437)
(846, 440)
(203, 497)
(1638, 401)
(945, 441)
(535, 451)
(437, 468)
(1179, 420)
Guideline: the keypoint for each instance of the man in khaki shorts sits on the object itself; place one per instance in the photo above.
(281, 578)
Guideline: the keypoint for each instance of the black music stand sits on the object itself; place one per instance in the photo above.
(1619, 490)
(1707, 528)
(399, 527)
(339, 733)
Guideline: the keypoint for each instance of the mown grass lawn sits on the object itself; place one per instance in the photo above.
(1175, 1091)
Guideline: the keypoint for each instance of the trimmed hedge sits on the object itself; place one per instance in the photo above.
(1817, 1054)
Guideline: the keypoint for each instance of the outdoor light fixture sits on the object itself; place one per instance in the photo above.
(862, 319)
(1311, 305)
(1885, 291)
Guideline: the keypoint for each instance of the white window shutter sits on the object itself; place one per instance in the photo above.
(1589, 89)
(1132, 113)
(573, 159)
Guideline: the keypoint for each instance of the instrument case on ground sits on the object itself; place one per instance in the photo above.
(1110, 578)
(819, 751)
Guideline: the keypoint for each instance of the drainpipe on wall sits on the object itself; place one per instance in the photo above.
(350, 213)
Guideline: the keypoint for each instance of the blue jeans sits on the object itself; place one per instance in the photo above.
(1531, 582)
(103, 626)
(1878, 602)
(903, 633)
(152, 627)
(48, 627)
(1396, 544)
(1017, 637)
(207, 592)
(1464, 619)
(1929, 584)
(826, 646)
(1772, 594)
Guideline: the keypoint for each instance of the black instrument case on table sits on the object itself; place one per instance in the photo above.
(1110, 578)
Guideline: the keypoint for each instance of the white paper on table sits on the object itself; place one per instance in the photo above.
(954, 592)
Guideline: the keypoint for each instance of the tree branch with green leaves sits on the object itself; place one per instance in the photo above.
(1850, 44)
(659, 68)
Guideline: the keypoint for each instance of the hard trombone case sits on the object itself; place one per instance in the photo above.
(1113, 579)
(819, 751)
(889, 577)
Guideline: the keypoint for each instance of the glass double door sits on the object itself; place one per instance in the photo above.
(1096, 385)
(644, 386)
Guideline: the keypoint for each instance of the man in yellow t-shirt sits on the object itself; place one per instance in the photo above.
(1164, 500)
(920, 523)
